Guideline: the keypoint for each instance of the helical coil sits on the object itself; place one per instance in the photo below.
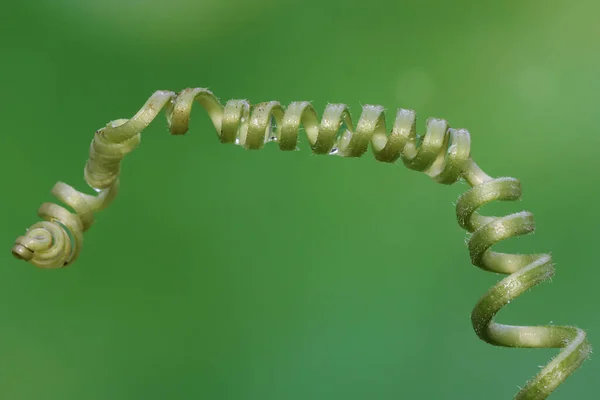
(442, 152)
(524, 272)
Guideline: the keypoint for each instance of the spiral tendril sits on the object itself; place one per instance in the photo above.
(443, 153)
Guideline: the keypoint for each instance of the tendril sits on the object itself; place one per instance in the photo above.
(443, 153)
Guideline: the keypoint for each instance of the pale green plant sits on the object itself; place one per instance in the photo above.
(442, 153)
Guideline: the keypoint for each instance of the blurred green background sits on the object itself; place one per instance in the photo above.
(220, 273)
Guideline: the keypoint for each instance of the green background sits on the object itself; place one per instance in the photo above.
(220, 273)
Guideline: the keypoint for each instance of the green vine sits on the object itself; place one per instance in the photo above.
(442, 153)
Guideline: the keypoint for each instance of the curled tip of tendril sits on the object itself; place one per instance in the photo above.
(57, 241)
(46, 245)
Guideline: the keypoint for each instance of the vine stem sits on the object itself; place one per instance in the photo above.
(443, 153)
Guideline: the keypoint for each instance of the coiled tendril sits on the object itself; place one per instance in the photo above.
(442, 153)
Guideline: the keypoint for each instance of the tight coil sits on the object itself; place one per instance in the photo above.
(442, 153)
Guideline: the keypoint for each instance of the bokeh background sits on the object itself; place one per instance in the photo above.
(220, 273)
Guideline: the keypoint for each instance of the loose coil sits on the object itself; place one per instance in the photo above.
(524, 272)
(442, 153)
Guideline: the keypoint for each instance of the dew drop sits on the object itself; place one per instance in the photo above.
(333, 151)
